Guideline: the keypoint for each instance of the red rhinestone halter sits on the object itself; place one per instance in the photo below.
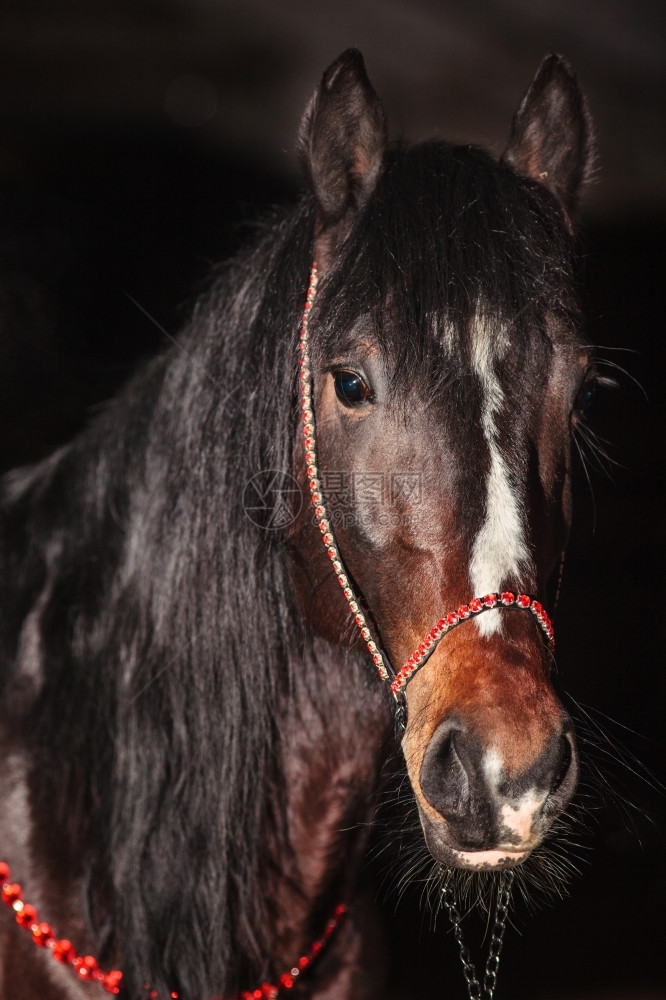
(87, 968)
(396, 679)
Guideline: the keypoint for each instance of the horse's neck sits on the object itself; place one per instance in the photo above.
(336, 741)
(334, 723)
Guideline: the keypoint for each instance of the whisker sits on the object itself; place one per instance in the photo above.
(597, 455)
(623, 371)
(589, 483)
(609, 347)
(590, 711)
(616, 751)
(593, 442)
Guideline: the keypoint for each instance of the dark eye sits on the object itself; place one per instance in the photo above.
(586, 394)
(350, 388)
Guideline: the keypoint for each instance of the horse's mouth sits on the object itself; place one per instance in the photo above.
(488, 860)
(492, 858)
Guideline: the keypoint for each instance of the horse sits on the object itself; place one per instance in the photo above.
(356, 455)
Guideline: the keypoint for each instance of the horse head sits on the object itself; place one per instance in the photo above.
(446, 375)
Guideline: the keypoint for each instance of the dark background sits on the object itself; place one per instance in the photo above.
(138, 137)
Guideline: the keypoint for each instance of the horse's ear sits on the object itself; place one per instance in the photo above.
(342, 138)
(551, 137)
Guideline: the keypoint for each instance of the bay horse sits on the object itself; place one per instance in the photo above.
(192, 742)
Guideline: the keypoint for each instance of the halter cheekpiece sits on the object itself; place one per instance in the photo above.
(397, 679)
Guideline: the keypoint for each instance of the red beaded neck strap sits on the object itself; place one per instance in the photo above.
(87, 968)
(396, 679)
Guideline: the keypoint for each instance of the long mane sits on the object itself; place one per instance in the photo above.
(153, 670)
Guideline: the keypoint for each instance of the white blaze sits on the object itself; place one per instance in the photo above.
(500, 551)
(492, 767)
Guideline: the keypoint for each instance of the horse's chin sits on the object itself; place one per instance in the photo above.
(486, 860)
(493, 859)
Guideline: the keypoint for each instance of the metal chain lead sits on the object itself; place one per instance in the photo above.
(497, 935)
(474, 989)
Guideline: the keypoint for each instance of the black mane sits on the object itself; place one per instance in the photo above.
(153, 723)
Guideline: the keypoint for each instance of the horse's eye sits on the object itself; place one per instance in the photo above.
(350, 388)
(586, 394)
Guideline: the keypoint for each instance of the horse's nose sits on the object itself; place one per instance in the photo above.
(486, 808)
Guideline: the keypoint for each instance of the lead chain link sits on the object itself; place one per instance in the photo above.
(474, 990)
(469, 971)
(497, 935)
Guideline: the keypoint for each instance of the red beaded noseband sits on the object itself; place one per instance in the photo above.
(396, 679)
(87, 968)
(471, 610)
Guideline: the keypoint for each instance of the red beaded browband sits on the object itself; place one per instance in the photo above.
(396, 679)
(87, 968)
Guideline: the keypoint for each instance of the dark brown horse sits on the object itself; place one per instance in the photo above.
(192, 729)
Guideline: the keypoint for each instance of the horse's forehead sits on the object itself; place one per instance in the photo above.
(489, 339)
(520, 352)
(520, 357)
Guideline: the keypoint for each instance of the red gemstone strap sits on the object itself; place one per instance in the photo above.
(316, 493)
(62, 950)
(87, 968)
(475, 607)
(396, 679)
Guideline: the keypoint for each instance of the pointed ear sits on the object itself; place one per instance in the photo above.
(551, 137)
(342, 138)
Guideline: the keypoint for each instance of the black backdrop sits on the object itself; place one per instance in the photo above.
(137, 141)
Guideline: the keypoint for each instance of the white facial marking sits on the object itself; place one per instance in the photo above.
(517, 816)
(519, 819)
(499, 550)
(492, 768)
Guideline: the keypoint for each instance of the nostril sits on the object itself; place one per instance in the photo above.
(562, 763)
(444, 780)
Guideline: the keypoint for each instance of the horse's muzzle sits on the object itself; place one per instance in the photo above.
(477, 816)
